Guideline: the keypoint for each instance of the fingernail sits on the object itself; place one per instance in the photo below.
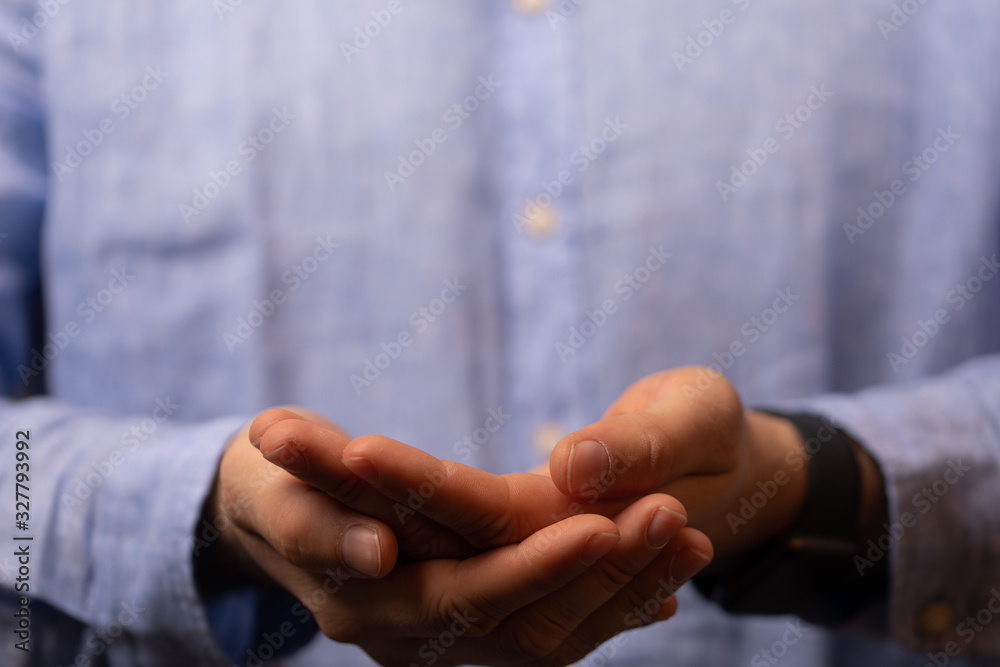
(256, 443)
(588, 460)
(363, 468)
(686, 564)
(664, 525)
(597, 547)
(361, 551)
(288, 458)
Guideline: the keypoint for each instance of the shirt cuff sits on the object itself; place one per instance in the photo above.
(254, 626)
(936, 445)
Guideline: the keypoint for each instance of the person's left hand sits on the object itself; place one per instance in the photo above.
(684, 432)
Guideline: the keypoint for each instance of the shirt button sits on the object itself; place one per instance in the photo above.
(937, 620)
(531, 6)
(546, 436)
(541, 220)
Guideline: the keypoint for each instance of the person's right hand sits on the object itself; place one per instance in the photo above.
(261, 512)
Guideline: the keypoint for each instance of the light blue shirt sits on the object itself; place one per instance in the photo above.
(416, 219)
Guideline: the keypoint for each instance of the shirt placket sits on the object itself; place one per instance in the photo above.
(538, 216)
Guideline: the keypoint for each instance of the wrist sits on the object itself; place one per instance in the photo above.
(221, 561)
(214, 552)
(809, 568)
(778, 437)
(773, 492)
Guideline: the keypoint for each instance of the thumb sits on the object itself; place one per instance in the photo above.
(640, 452)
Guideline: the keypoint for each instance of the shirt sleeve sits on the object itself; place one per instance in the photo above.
(111, 503)
(938, 444)
(111, 528)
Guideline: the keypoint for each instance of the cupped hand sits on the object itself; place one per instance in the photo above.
(685, 432)
(549, 598)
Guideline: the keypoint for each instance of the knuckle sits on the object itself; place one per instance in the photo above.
(421, 539)
(635, 605)
(492, 530)
(367, 444)
(485, 624)
(613, 576)
(341, 628)
(483, 627)
(655, 450)
(729, 408)
(293, 411)
(283, 433)
(270, 417)
(275, 414)
(574, 649)
(557, 622)
(669, 607)
(287, 535)
(483, 618)
(535, 640)
(341, 622)
(723, 404)
(724, 431)
(349, 490)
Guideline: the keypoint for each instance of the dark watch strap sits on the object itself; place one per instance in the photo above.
(830, 508)
(809, 571)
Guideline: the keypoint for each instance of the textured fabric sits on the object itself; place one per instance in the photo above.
(209, 208)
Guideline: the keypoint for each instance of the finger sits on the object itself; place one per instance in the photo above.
(487, 510)
(646, 528)
(648, 599)
(425, 598)
(632, 453)
(305, 528)
(313, 453)
(269, 418)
